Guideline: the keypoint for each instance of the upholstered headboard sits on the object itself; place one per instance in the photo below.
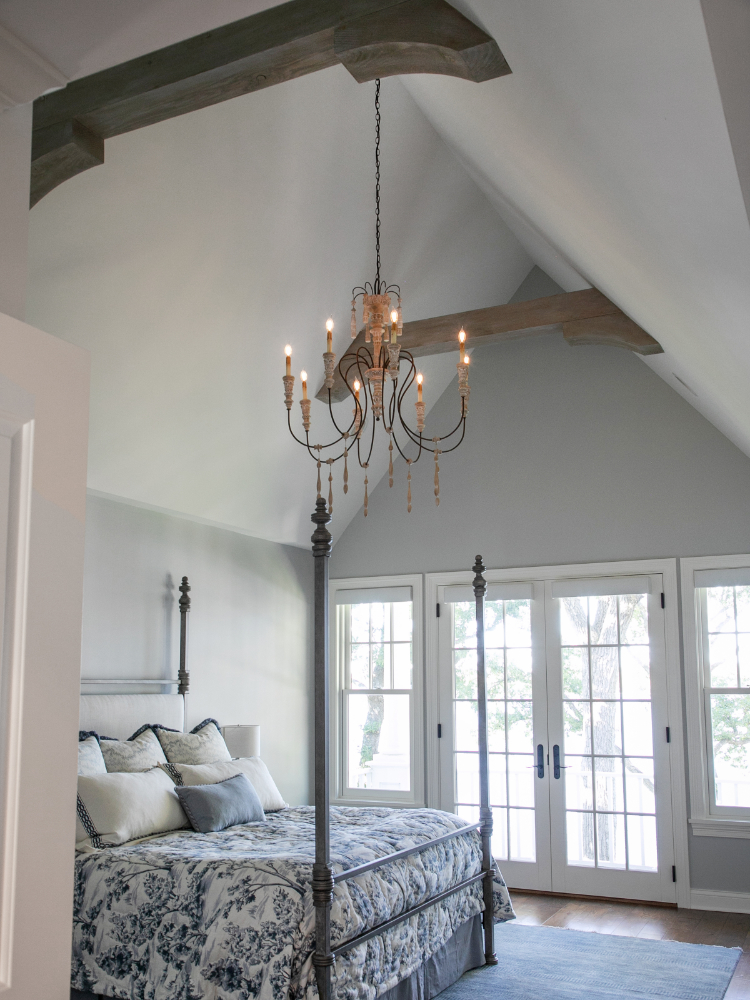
(119, 715)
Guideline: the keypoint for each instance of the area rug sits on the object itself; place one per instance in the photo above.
(549, 963)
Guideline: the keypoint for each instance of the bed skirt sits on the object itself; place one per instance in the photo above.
(463, 951)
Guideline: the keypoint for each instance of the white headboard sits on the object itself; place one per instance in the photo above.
(119, 715)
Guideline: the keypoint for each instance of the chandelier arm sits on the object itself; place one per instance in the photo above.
(447, 451)
(402, 454)
(333, 419)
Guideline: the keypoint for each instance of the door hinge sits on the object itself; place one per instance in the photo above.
(437, 610)
(440, 731)
(669, 735)
(674, 874)
(662, 600)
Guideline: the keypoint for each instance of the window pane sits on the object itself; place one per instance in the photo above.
(380, 678)
(379, 619)
(496, 726)
(610, 845)
(742, 597)
(498, 783)
(522, 835)
(494, 631)
(520, 736)
(360, 666)
(574, 621)
(402, 665)
(465, 673)
(639, 784)
(642, 843)
(730, 730)
(605, 672)
(579, 780)
(603, 620)
(575, 672)
(520, 780)
(743, 648)
(634, 619)
(499, 833)
(722, 655)
(465, 734)
(402, 621)
(464, 624)
(519, 673)
(577, 727)
(495, 671)
(467, 777)
(517, 623)
(379, 750)
(636, 716)
(580, 838)
(609, 789)
(636, 671)
(607, 734)
(720, 609)
(360, 622)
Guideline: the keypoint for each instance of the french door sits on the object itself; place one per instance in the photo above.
(578, 737)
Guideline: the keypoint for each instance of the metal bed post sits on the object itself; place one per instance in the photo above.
(183, 675)
(485, 813)
(322, 874)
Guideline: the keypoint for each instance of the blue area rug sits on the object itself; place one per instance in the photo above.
(549, 963)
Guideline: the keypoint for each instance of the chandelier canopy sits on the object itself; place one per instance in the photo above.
(378, 378)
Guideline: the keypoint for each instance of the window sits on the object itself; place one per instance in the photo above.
(717, 649)
(377, 673)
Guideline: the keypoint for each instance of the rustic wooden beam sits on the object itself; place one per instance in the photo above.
(371, 38)
(585, 317)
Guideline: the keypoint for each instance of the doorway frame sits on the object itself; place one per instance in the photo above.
(527, 574)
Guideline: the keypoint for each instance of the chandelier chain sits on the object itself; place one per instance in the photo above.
(377, 183)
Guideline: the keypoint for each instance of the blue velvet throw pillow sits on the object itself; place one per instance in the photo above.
(226, 803)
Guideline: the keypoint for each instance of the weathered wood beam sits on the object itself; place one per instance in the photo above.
(371, 38)
(585, 317)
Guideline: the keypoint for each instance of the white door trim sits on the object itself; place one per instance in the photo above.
(637, 567)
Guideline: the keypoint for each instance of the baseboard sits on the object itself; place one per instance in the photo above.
(725, 902)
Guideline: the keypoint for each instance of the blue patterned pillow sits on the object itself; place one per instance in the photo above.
(226, 803)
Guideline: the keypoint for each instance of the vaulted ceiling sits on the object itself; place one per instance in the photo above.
(609, 157)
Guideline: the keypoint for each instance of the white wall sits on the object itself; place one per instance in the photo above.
(571, 455)
(249, 627)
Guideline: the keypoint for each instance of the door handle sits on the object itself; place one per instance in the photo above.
(540, 761)
(556, 761)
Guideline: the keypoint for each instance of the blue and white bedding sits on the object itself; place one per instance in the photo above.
(229, 915)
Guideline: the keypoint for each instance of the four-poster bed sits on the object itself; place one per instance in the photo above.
(324, 878)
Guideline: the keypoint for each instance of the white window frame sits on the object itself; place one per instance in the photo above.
(705, 821)
(340, 794)
(646, 567)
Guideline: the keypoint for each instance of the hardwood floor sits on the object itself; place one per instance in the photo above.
(730, 930)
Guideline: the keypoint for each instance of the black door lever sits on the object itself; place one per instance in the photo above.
(556, 761)
(540, 761)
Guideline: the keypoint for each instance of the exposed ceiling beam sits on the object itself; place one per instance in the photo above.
(584, 317)
(371, 38)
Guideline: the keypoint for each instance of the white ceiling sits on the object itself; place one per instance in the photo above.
(206, 242)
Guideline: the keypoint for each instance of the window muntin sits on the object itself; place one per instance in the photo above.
(509, 723)
(378, 696)
(608, 740)
(726, 680)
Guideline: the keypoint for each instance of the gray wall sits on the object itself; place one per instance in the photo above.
(250, 624)
(571, 455)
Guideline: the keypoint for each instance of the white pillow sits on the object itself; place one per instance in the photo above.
(90, 760)
(204, 745)
(208, 774)
(139, 753)
(115, 808)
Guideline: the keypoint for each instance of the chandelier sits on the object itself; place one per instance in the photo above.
(378, 378)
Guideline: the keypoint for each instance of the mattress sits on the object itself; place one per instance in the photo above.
(230, 914)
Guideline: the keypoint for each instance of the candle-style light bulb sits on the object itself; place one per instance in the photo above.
(466, 359)
(288, 352)
(461, 342)
(357, 387)
(303, 377)
(329, 335)
(420, 379)
(394, 326)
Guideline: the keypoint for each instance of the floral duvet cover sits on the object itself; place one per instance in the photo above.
(229, 916)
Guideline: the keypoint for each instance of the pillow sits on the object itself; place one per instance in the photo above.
(225, 803)
(115, 808)
(252, 767)
(141, 752)
(90, 760)
(203, 745)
